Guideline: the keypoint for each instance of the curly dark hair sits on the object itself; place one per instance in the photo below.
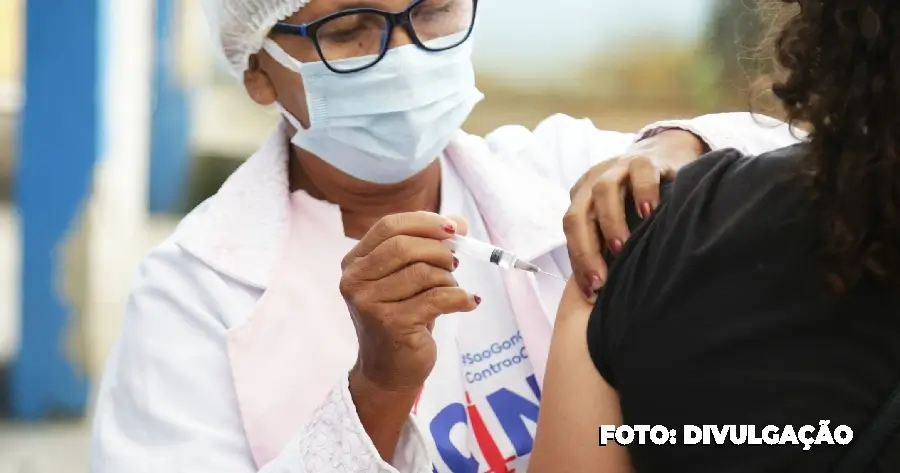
(840, 61)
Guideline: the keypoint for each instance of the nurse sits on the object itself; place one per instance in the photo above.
(293, 322)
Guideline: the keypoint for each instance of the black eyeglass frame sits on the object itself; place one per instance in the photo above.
(401, 18)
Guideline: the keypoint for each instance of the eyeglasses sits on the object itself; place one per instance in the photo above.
(356, 39)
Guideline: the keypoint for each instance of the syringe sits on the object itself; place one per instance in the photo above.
(491, 254)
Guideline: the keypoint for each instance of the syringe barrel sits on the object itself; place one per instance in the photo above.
(480, 250)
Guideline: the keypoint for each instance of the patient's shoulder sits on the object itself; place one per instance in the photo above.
(727, 174)
(725, 224)
(729, 194)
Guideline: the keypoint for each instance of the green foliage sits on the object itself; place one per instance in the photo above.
(649, 71)
(706, 92)
(207, 176)
(733, 37)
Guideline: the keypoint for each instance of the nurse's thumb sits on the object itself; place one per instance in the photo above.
(462, 225)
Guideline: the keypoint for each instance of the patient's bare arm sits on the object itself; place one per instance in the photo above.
(575, 401)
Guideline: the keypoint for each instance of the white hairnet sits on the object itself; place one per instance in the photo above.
(239, 26)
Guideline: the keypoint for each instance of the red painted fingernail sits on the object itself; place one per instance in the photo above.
(450, 228)
(477, 299)
(596, 283)
(646, 210)
(455, 262)
(616, 246)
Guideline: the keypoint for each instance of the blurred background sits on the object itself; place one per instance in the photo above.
(115, 121)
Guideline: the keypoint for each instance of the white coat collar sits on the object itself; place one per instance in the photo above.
(246, 226)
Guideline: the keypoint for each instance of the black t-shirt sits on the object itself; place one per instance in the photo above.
(715, 314)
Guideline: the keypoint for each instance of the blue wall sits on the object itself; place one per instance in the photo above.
(170, 133)
(60, 140)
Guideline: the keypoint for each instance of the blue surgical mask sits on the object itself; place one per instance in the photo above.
(386, 123)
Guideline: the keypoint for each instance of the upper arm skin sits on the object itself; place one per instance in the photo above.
(575, 402)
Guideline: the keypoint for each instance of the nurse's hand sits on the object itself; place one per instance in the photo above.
(396, 281)
(596, 218)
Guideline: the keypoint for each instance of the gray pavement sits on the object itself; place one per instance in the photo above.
(44, 448)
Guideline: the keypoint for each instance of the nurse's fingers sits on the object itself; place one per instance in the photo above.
(431, 304)
(645, 177)
(462, 225)
(584, 244)
(417, 224)
(410, 282)
(608, 196)
(399, 252)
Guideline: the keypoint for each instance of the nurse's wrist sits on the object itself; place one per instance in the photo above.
(383, 413)
(677, 138)
(360, 382)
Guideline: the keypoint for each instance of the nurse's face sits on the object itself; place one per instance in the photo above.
(267, 81)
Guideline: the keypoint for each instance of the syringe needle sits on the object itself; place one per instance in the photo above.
(554, 276)
(532, 268)
(494, 255)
